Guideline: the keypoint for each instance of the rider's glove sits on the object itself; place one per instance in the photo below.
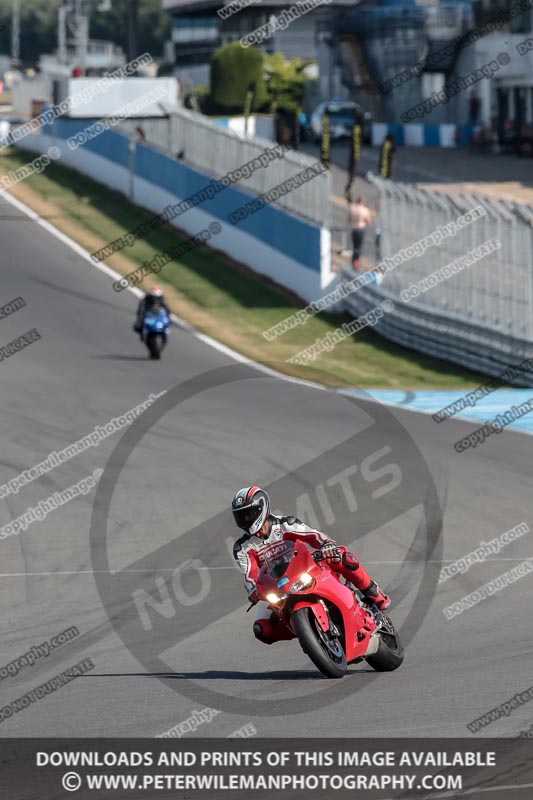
(331, 553)
(253, 597)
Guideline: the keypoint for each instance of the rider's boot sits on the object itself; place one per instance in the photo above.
(374, 593)
(271, 630)
(352, 571)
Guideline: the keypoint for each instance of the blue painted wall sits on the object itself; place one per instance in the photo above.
(273, 226)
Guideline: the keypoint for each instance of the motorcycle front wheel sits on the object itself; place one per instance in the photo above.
(326, 654)
(154, 345)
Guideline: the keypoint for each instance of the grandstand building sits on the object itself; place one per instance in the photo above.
(364, 51)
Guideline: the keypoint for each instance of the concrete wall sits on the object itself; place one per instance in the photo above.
(272, 242)
(421, 135)
(115, 95)
(26, 91)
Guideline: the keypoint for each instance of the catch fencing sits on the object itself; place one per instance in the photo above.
(497, 293)
(480, 317)
(203, 144)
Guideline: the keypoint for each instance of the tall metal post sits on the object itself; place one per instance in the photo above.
(15, 32)
(132, 12)
(62, 34)
(132, 146)
(81, 35)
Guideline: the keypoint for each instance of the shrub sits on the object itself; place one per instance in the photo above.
(233, 69)
(285, 81)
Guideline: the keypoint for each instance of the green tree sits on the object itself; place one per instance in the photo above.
(233, 69)
(38, 27)
(285, 81)
(153, 29)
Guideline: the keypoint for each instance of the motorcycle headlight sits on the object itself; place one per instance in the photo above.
(303, 582)
(273, 598)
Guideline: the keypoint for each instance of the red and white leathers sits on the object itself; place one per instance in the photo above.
(249, 550)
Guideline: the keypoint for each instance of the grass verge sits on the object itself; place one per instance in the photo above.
(221, 298)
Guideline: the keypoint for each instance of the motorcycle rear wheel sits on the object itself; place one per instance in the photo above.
(389, 655)
(329, 658)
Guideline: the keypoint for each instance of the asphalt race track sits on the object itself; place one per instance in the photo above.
(171, 501)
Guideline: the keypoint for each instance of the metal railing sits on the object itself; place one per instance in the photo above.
(203, 144)
(497, 292)
(480, 316)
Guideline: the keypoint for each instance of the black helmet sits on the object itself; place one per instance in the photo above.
(251, 508)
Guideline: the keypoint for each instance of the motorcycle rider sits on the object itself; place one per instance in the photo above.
(251, 512)
(152, 299)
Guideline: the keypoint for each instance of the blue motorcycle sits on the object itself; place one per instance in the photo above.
(155, 329)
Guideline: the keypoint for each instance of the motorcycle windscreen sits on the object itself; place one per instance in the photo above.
(156, 315)
(156, 321)
(277, 558)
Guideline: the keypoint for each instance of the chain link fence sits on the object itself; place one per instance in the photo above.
(203, 144)
(497, 292)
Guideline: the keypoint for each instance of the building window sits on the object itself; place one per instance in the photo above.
(195, 29)
(486, 10)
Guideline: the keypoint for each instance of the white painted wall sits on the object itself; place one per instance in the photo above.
(116, 94)
(25, 91)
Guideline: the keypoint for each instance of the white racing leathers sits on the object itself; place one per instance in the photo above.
(249, 550)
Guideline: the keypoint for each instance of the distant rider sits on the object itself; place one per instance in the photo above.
(152, 299)
(251, 512)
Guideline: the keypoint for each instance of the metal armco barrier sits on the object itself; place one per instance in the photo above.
(443, 335)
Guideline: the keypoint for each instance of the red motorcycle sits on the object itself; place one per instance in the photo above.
(333, 621)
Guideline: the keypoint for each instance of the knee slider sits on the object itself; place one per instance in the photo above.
(350, 561)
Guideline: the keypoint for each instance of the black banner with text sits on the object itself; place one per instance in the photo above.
(243, 768)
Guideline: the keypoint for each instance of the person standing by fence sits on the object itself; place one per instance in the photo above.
(359, 217)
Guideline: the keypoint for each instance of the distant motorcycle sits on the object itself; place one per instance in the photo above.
(155, 330)
(333, 621)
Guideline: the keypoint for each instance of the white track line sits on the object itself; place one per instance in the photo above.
(138, 293)
(172, 569)
(203, 337)
(66, 240)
